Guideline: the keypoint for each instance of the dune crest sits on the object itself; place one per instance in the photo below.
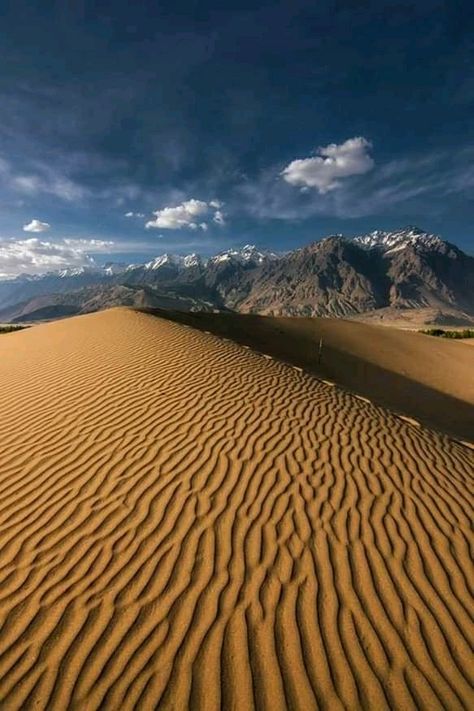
(187, 524)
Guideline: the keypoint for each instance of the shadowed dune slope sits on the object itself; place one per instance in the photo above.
(187, 524)
(431, 379)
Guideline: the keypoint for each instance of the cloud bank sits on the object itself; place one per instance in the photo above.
(37, 256)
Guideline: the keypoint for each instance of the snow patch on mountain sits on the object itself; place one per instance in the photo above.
(249, 254)
(390, 242)
(163, 260)
(174, 260)
(74, 271)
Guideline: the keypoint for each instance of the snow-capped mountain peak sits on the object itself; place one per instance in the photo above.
(108, 269)
(192, 260)
(249, 254)
(389, 242)
(75, 271)
(112, 268)
(162, 260)
(174, 260)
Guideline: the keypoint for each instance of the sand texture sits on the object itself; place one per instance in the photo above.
(185, 523)
(428, 378)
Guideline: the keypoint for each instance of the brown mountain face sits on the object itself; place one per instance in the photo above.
(339, 277)
(329, 278)
(439, 276)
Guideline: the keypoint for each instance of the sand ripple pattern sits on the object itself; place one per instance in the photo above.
(187, 524)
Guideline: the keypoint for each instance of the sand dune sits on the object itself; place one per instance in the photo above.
(187, 524)
(431, 379)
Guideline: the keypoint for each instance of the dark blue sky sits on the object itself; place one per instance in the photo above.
(110, 108)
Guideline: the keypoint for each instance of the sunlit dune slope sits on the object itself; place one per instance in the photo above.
(187, 524)
(430, 379)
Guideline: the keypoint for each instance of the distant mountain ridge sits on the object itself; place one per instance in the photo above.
(337, 276)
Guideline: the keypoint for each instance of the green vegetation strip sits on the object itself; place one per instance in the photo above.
(441, 333)
(9, 329)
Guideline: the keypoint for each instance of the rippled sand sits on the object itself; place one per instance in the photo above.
(185, 523)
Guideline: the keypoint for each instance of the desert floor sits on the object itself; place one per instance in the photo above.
(188, 523)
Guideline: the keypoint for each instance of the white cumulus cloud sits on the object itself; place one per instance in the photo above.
(134, 214)
(36, 256)
(191, 214)
(333, 163)
(36, 226)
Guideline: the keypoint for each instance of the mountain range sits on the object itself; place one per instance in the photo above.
(403, 271)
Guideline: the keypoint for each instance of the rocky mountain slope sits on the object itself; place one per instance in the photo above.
(405, 270)
(408, 269)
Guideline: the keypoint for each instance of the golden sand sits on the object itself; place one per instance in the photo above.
(185, 523)
(431, 379)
